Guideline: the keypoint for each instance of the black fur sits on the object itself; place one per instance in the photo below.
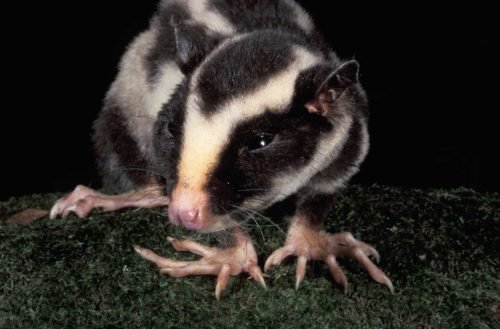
(168, 136)
(177, 39)
(254, 59)
(256, 14)
(121, 164)
(316, 206)
(165, 45)
(252, 15)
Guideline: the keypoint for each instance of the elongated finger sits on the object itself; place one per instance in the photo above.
(300, 271)
(191, 268)
(160, 261)
(373, 270)
(190, 246)
(278, 256)
(367, 249)
(336, 271)
(222, 280)
(256, 273)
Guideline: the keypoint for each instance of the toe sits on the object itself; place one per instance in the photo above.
(160, 261)
(373, 270)
(180, 269)
(367, 249)
(222, 280)
(336, 271)
(56, 209)
(278, 256)
(67, 210)
(300, 271)
(370, 251)
(191, 246)
(256, 273)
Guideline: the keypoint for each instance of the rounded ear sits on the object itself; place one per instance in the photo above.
(192, 43)
(333, 86)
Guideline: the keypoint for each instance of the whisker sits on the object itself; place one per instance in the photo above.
(254, 189)
(148, 170)
(142, 116)
(252, 217)
(247, 210)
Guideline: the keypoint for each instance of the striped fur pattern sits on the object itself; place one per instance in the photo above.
(241, 100)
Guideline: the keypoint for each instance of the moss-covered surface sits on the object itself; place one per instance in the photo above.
(440, 247)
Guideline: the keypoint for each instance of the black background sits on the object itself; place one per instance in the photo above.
(428, 72)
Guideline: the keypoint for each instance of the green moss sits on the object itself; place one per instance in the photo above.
(440, 248)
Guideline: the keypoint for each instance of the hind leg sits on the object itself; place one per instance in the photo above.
(83, 200)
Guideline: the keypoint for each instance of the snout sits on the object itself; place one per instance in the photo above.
(189, 208)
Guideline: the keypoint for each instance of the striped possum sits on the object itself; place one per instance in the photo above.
(221, 108)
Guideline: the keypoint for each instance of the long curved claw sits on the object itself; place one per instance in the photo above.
(55, 210)
(300, 271)
(389, 285)
(222, 280)
(375, 254)
(373, 270)
(257, 275)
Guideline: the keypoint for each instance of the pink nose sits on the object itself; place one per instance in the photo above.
(189, 218)
(189, 208)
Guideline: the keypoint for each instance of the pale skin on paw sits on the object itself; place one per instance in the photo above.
(309, 243)
(221, 262)
(84, 199)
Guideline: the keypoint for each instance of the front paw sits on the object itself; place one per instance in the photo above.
(220, 262)
(309, 243)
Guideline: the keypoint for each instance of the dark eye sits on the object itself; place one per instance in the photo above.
(259, 141)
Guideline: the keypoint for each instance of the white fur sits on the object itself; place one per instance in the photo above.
(301, 17)
(204, 137)
(211, 19)
(169, 78)
(365, 142)
(331, 186)
(139, 100)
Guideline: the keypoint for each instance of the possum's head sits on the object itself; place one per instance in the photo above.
(257, 120)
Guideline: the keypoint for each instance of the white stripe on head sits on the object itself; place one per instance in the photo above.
(205, 137)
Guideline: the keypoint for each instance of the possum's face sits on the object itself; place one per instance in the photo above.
(255, 121)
